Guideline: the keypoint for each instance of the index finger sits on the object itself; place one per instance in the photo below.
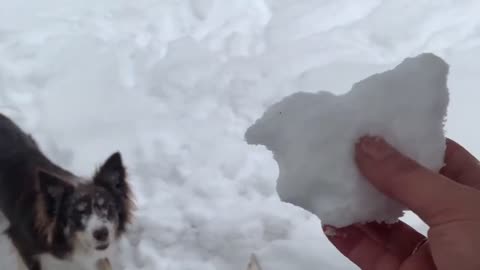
(433, 197)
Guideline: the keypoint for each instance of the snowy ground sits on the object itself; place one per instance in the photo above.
(174, 85)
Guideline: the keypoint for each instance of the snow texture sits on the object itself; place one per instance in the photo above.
(312, 137)
(174, 85)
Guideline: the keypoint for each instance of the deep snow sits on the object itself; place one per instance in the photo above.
(175, 84)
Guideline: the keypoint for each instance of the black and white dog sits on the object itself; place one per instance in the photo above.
(55, 216)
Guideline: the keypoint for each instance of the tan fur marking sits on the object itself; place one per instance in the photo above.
(129, 202)
(104, 264)
(43, 224)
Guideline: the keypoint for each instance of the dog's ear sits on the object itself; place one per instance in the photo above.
(52, 188)
(112, 175)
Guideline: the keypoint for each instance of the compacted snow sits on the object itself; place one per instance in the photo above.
(312, 137)
(174, 85)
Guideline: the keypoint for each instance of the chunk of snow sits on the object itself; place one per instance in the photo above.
(312, 137)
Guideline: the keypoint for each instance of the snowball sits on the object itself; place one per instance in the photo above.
(312, 137)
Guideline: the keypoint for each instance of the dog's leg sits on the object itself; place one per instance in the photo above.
(20, 264)
(104, 264)
(24, 261)
(253, 264)
(27, 263)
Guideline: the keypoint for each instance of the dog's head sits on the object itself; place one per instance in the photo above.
(88, 216)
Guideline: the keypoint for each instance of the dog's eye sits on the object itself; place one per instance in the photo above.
(118, 186)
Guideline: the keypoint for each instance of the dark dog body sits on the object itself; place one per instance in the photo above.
(53, 212)
(19, 160)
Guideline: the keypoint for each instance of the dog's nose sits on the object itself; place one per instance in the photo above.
(101, 234)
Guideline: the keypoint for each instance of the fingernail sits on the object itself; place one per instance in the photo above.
(375, 148)
(330, 231)
(344, 239)
(333, 232)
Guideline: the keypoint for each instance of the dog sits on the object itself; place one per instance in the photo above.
(55, 216)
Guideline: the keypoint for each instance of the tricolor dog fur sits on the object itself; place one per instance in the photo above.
(55, 216)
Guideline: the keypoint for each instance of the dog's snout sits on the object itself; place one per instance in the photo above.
(101, 234)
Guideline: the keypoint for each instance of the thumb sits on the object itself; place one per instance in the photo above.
(433, 197)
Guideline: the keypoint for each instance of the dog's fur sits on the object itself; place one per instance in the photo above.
(54, 213)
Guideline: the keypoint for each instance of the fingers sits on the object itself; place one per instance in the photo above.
(420, 260)
(433, 197)
(365, 252)
(370, 254)
(461, 166)
(399, 238)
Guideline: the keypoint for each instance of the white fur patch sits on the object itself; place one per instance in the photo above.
(85, 239)
(85, 255)
(3, 222)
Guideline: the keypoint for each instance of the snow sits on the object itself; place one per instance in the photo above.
(174, 85)
(312, 137)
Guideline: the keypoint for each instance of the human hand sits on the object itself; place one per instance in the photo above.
(448, 202)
